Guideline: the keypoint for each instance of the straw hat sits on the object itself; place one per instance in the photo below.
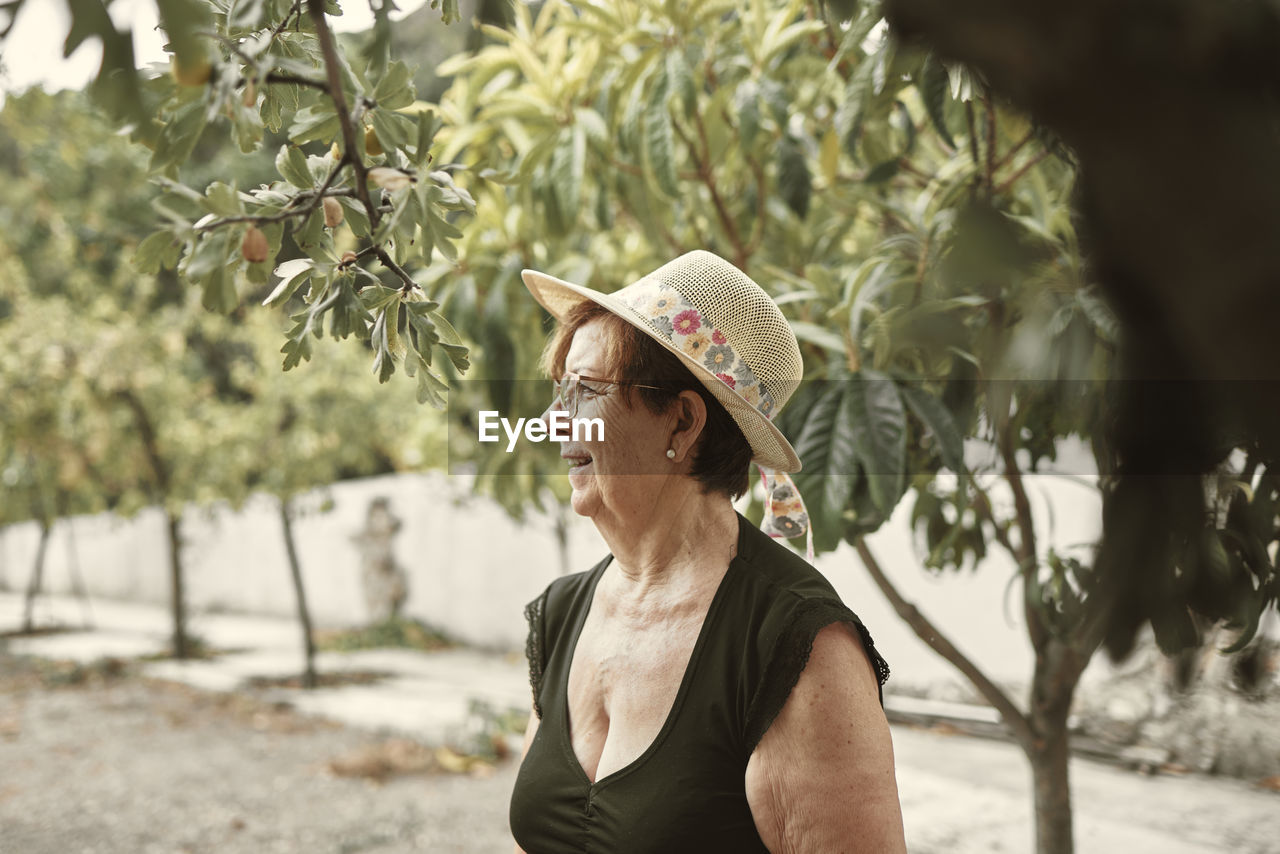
(721, 325)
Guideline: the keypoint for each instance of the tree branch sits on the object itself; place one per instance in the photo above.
(390, 264)
(990, 108)
(1008, 156)
(939, 643)
(982, 506)
(1022, 170)
(757, 172)
(281, 77)
(295, 11)
(973, 133)
(316, 196)
(331, 63)
(1026, 550)
(147, 433)
(703, 163)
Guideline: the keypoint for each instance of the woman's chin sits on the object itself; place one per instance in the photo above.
(582, 482)
(580, 477)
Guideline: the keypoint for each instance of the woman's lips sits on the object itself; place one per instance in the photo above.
(579, 467)
(577, 460)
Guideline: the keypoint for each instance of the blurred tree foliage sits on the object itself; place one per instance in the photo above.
(1173, 113)
(120, 390)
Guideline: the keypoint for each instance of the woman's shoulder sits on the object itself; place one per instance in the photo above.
(783, 603)
(777, 573)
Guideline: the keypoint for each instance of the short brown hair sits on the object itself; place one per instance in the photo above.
(722, 456)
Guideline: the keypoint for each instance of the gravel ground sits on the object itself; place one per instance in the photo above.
(102, 761)
(115, 763)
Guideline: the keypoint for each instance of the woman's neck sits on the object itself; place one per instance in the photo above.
(679, 541)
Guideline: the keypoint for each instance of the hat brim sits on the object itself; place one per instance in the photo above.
(769, 447)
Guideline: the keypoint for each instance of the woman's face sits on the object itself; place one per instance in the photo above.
(620, 477)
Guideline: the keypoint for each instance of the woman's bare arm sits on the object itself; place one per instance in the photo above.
(822, 777)
(529, 730)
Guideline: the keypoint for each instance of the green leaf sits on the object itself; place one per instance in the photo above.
(826, 485)
(852, 111)
(246, 14)
(311, 233)
(318, 121)
(747, 102)
(448, 334)
(568, 167)
(819, 335)
(395, 89)
(934, 89)
(377, 51)
(842, 458)
(297, 347)
(795, 183)
(428, 126)
(393, 130)
(183, 21)
(291, 163)
(659, 138)
(223, 200)
(937, 418)
(777, 99)
(870, 282)
(431, 388)
(179, 137)
(159, 249)
(382, 335)
(593, 125)
(880, 435)
(210, 265)
(448, 10)
(680, 78)
(841, 10)
(1100, 315)
(882, 172)
(292, 274)
(347, 314)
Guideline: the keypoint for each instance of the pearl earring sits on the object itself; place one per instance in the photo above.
(671, 453)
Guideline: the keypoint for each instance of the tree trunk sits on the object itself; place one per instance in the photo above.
(177, 599)
(77, 577)
(1049, 772)
(300, 591)
(37, 578)
(1053, 685)
(1041, 733)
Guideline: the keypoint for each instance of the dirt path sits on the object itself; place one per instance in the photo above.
(115, 764)
(127, 766)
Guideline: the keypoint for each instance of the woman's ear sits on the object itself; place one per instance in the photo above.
(691, 417)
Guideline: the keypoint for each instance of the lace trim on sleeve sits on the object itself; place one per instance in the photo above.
(533, 612)
(790, 657)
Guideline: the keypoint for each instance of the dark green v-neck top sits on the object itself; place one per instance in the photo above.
(686, 792)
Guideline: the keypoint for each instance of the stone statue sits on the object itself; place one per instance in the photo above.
(386, 587)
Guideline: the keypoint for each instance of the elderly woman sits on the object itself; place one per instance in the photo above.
(702, 688)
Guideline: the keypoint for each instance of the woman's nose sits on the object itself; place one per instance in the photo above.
(545, 415)
(555, 424)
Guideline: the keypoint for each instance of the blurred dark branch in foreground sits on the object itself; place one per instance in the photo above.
(1171, 108)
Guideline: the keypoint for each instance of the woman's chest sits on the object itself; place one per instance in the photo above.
(623, 683)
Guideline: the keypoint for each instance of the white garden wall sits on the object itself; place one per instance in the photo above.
(471, 568)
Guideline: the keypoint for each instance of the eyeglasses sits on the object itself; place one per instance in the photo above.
(571, 389)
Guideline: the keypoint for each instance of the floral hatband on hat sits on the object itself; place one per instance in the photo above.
(693, 335)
